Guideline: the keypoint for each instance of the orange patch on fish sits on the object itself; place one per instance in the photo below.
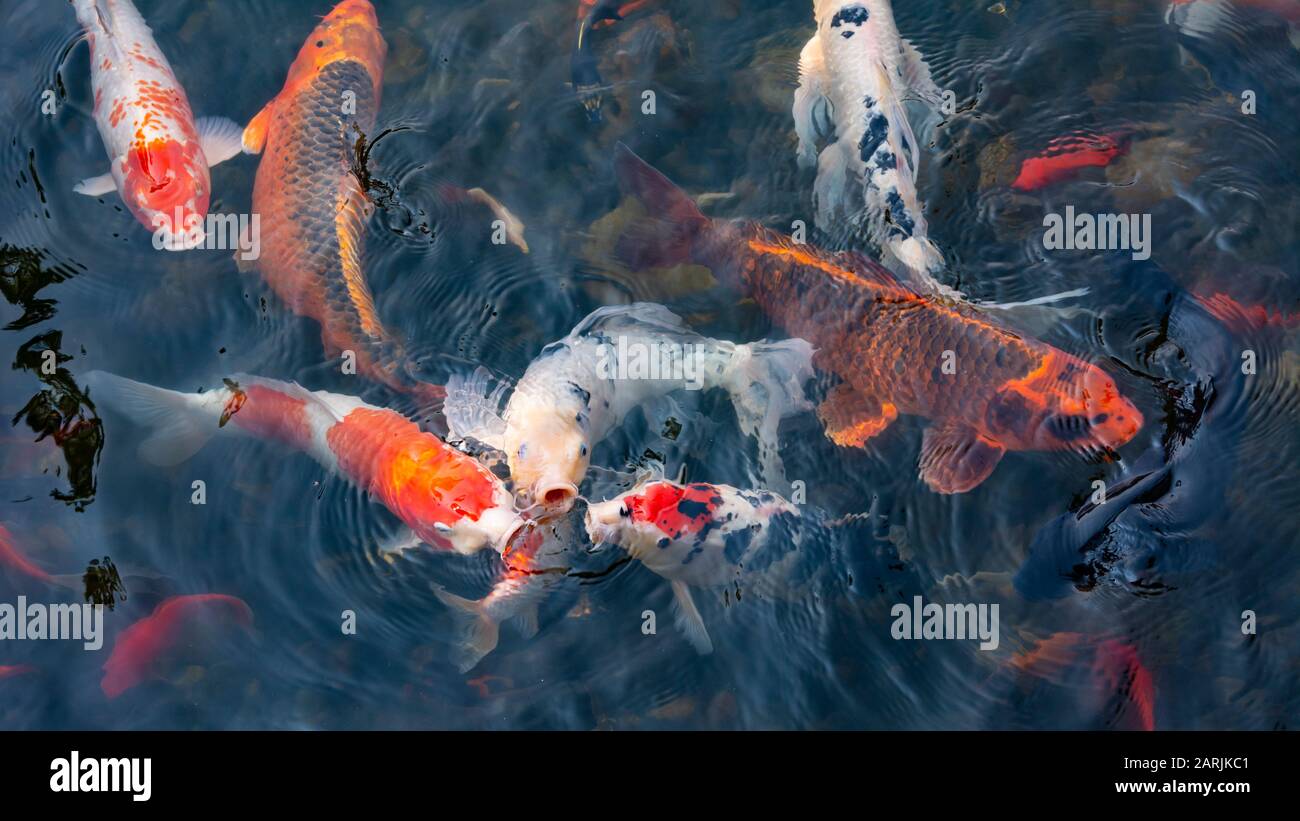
(414, 473)
(1064, 158)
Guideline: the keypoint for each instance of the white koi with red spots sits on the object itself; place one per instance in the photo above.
(697, 535)
(159, 155)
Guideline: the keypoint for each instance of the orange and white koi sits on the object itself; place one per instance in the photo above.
(446, 498)
(159, 154)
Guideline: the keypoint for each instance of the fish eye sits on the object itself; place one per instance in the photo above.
(522, 450)
(584, 450)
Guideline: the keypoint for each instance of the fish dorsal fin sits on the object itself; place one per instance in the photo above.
(255, 133)
(689, 620)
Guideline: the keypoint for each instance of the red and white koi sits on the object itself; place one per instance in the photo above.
(159, 154)
(697, 535)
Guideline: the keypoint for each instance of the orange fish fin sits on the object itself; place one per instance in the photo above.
(955, 458)
(254, 138)
(851, 418)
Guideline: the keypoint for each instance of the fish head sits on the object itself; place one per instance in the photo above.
(547, 448)
(657, 514)
(165, 184)
(498, 527)
(1064, 404)
(349, 32)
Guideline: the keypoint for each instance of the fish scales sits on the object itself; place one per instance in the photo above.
(889, 337)
(312, 255)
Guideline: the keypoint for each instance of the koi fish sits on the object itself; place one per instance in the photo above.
(888, 341)
(582, 63)
(1065, 158)
(138, 647)
(159, 154)
(14, 670)
(1113, 666)
(582, 387)
(11, 558)
(527, 574)
(447, 499)
(853, 76)
(1244, 317)
(696, 535)
(313, 207)
(1145, 525)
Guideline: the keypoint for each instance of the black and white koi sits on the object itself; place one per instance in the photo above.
(853, 76)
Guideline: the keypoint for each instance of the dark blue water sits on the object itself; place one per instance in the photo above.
(477, 94)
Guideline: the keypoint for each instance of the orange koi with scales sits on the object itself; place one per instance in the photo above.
(313, 207)
(985, 388)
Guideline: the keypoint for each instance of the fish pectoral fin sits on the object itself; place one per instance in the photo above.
(219, 137)
(401, 541)
(813, 114)
(689, 620)
(955, 458)
(901, 140)
(917, 76)
(96, 186)
(254, 137)
(851, 418)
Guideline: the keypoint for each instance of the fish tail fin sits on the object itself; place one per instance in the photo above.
(673, 222)
(180, 426)
(766, 385)
(479, 634)
(919, 254)
(766, 379)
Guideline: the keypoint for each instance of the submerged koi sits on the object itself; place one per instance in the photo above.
(697, 535)
(587, 84)
(313, 207)
(1064, 158)
(1113, 665)
(526, 576)
(580, 389)
(446, 498)
(12, 559)
(138, 648)
(14, 670)
(159, 155)
(889, 343)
